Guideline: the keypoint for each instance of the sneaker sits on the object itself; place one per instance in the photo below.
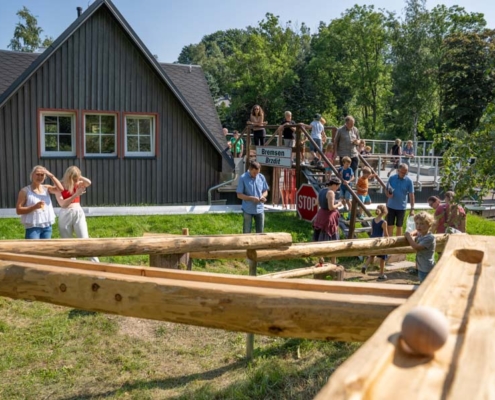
(363, 269)
(360, 216)
(313, 162)
(382, 278)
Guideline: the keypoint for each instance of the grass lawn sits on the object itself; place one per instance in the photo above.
(53, 352)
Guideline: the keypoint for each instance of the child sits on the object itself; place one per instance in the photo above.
(330, 154)
(362, 187)
(236, 146)
(378, 229)
(424, 244)
(346, 174)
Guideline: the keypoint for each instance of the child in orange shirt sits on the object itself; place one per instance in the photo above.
(362, 187)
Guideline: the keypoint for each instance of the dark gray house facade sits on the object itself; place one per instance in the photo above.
(143, 132)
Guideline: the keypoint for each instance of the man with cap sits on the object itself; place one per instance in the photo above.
(317, 129)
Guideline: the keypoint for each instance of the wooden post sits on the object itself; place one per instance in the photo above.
(250, 337)
(352, 225)
(335, 271)
(172, 261)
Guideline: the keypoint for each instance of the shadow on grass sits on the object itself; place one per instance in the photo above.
(75, 313)
(169, 383)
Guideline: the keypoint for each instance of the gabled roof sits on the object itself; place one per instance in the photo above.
(196, 98)
(12, 65)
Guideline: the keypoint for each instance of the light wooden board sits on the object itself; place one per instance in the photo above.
(462, 286)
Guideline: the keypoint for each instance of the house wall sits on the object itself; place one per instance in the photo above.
(98, 68)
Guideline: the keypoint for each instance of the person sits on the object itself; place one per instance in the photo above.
(378, 229)
(71, 218)
(346, 141)
(346, 174)
(317, 129)
(396, 151)
(326, 222)
(253, 191)
(330, 155)
(236, 145)
(423, 242)
(366, 152)
(399, 187)
(408, 152)
(362, 186)
(256, 120)
(288, 130)
(455, 216)
(361, 146)
(439, 215)
(34, 204)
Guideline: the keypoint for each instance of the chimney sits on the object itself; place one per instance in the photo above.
(79, 11)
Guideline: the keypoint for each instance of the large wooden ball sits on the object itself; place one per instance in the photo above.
(424, 330)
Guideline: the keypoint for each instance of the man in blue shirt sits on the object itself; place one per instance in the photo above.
(399, 186)
(253, 191)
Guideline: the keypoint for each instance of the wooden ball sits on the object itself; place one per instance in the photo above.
(424, 330)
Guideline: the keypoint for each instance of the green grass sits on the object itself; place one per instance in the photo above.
(53, 352)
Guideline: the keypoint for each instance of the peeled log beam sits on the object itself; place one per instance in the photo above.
(295, 273)
(340, 248)
(374, 289)
(274, 312)
(461, 287)
(143, 245)
(219, 255)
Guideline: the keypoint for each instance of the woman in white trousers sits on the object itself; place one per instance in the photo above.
(71, 218)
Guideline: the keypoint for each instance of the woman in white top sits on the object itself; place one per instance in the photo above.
(71, 218)
(34, 204)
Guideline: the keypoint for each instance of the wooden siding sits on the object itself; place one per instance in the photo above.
(99, 68)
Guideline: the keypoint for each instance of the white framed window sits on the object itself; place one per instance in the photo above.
(100, 134)
(57, 133)
(140, 135)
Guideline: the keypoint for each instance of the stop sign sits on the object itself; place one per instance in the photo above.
(307, 202)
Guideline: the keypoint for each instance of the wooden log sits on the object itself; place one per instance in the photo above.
(296, 273)
(336, 273)
(145, 245)
(461, 287)
(274, 312)
(340, 248)
(374, 289)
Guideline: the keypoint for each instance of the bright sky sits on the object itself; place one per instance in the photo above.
(166, 26)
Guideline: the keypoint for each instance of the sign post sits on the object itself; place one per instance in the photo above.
(307, 202)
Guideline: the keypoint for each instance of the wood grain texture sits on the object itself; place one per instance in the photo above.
(342, 248)
(284, 312)
(144, 245)
(462, 287)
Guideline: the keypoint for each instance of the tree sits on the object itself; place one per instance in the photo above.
(467, 78)
(27, 35)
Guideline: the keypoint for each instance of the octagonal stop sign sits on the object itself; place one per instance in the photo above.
(307, 202)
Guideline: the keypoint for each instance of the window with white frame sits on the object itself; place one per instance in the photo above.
(100, 133)
(140, 135)
(58, 133)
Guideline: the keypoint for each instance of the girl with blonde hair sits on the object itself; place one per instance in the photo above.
(71, 218)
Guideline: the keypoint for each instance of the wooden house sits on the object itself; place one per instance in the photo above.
(143, 132)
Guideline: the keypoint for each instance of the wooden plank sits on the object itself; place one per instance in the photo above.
(461, 287)
(341, 248)
(378, 289)
(295, 273)
(274, 312)
(144, 245)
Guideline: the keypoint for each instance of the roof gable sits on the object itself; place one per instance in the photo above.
(21, 66)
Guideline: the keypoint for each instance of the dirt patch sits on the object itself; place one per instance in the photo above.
(398, 276)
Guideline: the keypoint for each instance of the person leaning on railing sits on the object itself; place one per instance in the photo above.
(257, 122)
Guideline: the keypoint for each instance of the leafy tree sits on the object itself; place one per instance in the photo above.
(467, 78)
(469, 159)
(27, 33)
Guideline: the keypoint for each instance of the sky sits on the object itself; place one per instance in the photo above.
(166, 26)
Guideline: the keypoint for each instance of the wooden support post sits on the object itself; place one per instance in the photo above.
(250, 337)
(352, 225)
(335, 271)
(172, 261)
